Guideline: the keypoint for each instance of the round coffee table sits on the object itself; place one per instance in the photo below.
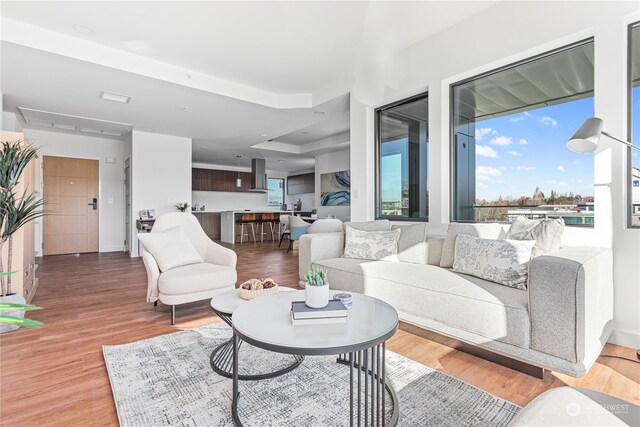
(221, 359)
(359, 343)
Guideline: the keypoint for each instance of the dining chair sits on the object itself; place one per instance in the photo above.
(298, 227)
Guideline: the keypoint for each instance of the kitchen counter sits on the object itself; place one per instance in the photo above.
(228, 221)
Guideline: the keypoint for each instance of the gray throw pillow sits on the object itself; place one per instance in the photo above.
(412, 245)
(486, 231)
(373, 245)
(546, 232)
(501, 261)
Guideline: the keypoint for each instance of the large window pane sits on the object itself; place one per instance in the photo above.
(510, 129)
(634, 172)
(402, 160)
(275, 195)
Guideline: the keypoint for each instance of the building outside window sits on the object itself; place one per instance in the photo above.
(509, 135)
(275, 195)
(634, 132)
(402, 156)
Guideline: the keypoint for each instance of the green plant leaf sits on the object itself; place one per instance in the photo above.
(27, 323)
(23, 307)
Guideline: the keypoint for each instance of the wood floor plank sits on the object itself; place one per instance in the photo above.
(55, 376)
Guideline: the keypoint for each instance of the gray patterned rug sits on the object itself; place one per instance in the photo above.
(167, 381)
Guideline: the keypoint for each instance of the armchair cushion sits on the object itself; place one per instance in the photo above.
(171, 248)
(196, 278)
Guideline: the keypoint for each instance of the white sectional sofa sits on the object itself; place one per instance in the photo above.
(560, 323)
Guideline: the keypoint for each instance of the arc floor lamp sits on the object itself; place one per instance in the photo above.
(585, 140)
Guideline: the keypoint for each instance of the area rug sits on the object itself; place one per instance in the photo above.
(167, 381)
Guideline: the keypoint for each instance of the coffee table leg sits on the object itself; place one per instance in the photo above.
(236, 392)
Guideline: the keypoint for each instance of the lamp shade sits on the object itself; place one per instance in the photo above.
(585, 140)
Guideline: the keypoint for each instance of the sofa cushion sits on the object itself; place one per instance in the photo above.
(486, 231)
(546, 232)
(463, 302)
(171, 248)
(374, 245)
(196, 278)
(377, 225)
(412, 245)
(502, 261)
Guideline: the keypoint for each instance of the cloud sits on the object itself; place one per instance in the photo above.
(561, 168)
(523, 141)
(516, 119)
(501, 140)
(516, 153)
(558, 183)
(486, 151)
(482, 132)
(546, 120)
(485, 173)
(526, 168)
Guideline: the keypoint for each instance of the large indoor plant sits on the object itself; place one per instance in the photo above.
(16, 210)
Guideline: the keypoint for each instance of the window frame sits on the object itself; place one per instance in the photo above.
(629, 204)
(378, 152)
(452, 159)
(283, 190)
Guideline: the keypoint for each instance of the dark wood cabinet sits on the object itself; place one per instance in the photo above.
(219, 180)
(210, 222)
(300, 184)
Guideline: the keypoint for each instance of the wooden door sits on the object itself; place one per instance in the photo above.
(71, 197)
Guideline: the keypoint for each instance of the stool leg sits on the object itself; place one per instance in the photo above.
(253, 231)
(241, 232)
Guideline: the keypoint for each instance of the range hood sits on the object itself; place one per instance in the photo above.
(258, 176)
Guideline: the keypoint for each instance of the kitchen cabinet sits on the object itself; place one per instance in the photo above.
(219, 180)
(210, 223)
(301, 184)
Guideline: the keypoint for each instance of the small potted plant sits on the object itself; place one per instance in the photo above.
(314, 213)
(316, 288)
(182, 207)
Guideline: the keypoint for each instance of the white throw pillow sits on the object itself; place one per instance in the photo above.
(486, 231)
(374, 245)
(502, 261)
(170, 248)
(546, 232)
(412, 244)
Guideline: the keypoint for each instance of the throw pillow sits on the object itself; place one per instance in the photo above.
(502, 261)
(412, 245)
(374, 245)
(486, 231)
(546, 232)
(377, 225)
(170, 248)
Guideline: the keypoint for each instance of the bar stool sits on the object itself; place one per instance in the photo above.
(266, 218)
(247, 219)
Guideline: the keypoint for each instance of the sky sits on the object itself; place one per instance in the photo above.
(518, 152)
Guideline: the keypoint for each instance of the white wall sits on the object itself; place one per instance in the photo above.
(477, 45)
(10, 122)
(161, 175)
(111, 202)
(332, 162)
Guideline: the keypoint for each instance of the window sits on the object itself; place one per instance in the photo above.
(634, 124)
(509, 133)
(275, 195)
(402, 157)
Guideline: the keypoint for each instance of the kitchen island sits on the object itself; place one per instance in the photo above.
(228, 221)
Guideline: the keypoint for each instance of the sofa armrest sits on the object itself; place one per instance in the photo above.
(315, 247)
(571, 302)
(218, 254)
(434, 250)
(153, 275)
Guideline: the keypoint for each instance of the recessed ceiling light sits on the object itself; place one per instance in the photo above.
(184, 108)
(264, 134)
(115, 97)
(84, 29)
(319, 112)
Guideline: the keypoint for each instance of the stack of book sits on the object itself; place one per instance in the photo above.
(334, 312)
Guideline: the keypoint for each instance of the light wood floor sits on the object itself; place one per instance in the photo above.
(55, 375)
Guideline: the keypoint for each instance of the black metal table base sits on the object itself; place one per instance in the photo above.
(221, 359)
(367, 386)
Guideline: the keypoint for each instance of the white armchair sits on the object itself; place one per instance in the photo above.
(192, 282)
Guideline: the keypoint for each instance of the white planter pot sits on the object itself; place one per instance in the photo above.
(316, 296)
(15, 299)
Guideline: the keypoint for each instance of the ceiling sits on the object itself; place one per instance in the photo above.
(222, 73)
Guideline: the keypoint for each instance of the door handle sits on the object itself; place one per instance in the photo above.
(94, 204)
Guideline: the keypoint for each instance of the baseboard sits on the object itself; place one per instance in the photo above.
(111, 249)
(624, 338)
